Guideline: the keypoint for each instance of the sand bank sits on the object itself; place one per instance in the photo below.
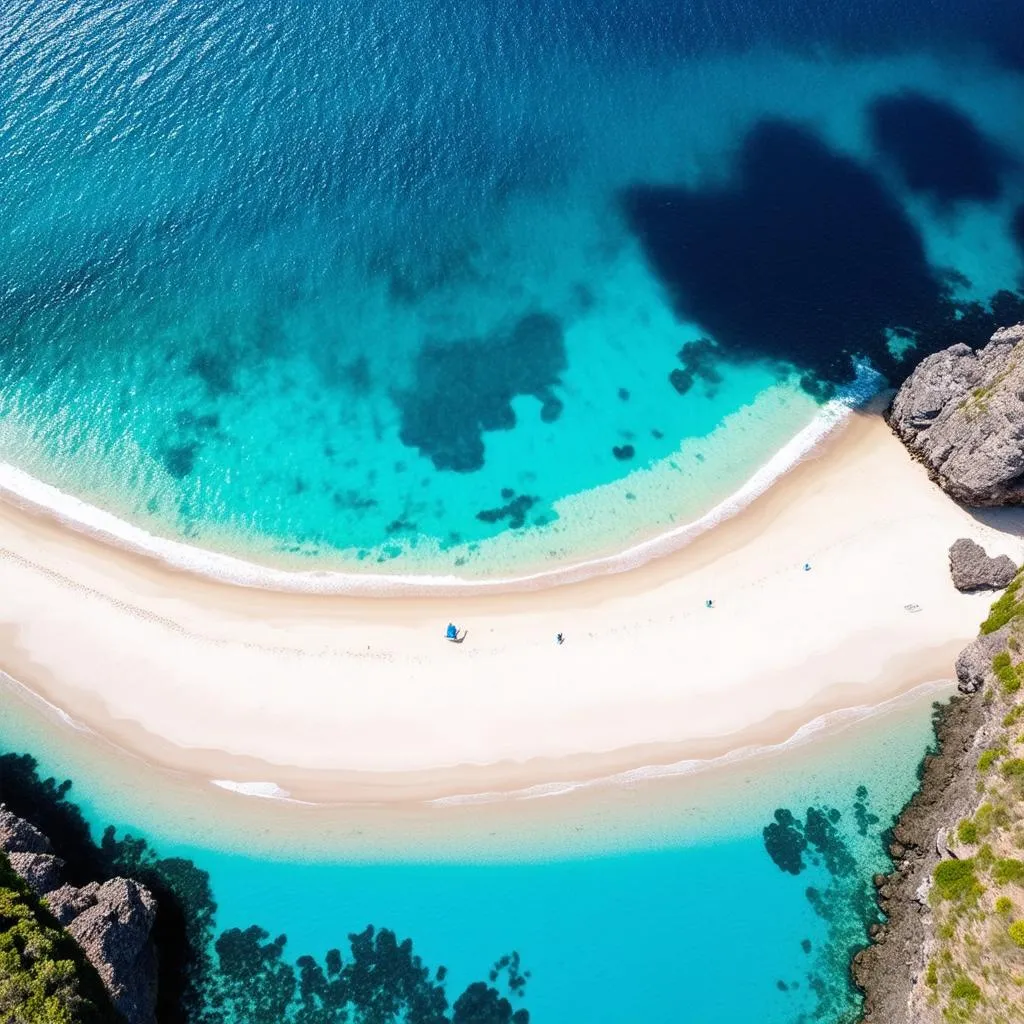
(357, 698)
(643, 808)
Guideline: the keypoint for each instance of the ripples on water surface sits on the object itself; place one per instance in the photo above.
(377, 281)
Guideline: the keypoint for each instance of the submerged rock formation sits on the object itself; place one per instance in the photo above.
(111, 922)
(961, 413)
(973, 569)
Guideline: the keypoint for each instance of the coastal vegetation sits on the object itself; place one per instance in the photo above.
(206, 977)
(1009, 607)
(44, 976)
(975, 970)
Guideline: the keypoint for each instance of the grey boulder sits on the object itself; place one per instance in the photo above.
(972, 569)
(112, 922)
(42, 871)
(18, 836)
(29, 852)
(114, 934)
(961, 413)
(974, 663)
(66, 902)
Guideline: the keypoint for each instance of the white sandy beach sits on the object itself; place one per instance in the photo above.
(361, 698)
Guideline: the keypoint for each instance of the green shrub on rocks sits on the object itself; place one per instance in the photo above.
(1017, 933)
(989, 816)
(1004, 609)
(967, 832)
(1014, 768)
(1007, 870)
(1004, 905)
(989, 757)
(1013, 716)
(1006, 673)
(965, 990)
(44, 977)
(956, 881)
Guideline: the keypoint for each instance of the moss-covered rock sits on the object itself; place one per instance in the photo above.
(44, 976)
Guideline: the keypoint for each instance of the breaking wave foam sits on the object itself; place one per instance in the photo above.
(29, 492)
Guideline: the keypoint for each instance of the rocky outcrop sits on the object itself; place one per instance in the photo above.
(888, 971)
(961, 413)
(42, 871)
(18, 836)
(30, 853)
(112, 922)
(66, 902)
(974, 663)
(114, 933)
(973, 569)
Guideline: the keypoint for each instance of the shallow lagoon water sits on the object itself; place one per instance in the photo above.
(655, 901)
(380, 284)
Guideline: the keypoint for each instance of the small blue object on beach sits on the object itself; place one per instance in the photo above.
(709, 603)
(451, 633)
(807, 566)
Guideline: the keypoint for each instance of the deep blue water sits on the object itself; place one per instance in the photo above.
(375, 282)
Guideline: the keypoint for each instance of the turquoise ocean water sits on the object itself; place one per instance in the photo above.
(464, 286)
(657, 902)
(416, 286)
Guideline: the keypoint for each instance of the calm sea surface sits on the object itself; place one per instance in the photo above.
(446, 286)
(663, 902)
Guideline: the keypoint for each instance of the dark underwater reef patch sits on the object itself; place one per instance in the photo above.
(185, 442)
(840, 895)
(804, 258)
(215, 369)
(464, 388)
(514, 509)
(699, 362)
(1018, 228)
(180, 459)
(937, 149)
(241, 975)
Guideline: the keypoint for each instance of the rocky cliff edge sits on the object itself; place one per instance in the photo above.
(961, 413)
(112, 922)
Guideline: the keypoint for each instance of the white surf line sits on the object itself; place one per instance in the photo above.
(31, 697)
(262, 790)
(266, 790)
(808, 733)
(26, 491)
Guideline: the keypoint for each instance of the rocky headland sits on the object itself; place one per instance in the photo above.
(952, 945)
(960, 413)
(111, 922)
